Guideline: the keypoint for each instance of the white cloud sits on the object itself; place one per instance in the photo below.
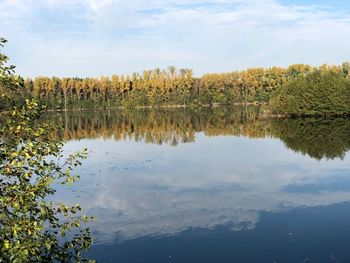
(93, 37)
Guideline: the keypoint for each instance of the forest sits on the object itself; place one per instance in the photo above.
(170, 87)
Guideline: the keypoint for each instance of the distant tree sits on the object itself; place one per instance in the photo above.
(172, 86)
(346, 69)
(322, 92)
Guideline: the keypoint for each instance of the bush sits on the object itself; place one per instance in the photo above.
(315, 94)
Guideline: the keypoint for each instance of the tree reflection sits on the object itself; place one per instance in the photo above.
(317, 138)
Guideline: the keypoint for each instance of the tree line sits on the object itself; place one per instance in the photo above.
(169, 87)
(149, 88)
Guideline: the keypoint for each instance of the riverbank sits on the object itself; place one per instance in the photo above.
(168, 106)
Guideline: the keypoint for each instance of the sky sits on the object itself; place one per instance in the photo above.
(103, 37)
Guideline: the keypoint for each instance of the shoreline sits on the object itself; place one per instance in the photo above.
(165, 106)
(264, 115)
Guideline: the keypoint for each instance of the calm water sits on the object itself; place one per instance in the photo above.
(221, 185)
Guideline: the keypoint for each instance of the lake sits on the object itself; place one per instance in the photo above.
(211, 185)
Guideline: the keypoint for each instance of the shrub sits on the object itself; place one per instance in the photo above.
(317, 93)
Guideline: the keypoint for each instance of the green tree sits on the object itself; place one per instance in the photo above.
(322, 92)
(346, 69)
(32, 228)
(11, 85)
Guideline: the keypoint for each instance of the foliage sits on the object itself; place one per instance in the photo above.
(33, 228)
(11, 86)
(149, 88)
(318, 93)
(169, 87)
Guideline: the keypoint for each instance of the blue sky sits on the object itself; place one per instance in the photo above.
(103, 37)
(336, 4)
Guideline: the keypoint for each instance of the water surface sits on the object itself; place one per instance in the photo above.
(212, 185)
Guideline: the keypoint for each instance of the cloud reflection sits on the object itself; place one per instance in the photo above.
(136, 189)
